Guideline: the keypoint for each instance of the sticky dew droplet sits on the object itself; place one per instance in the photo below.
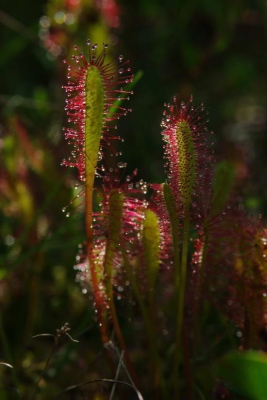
(122, 165)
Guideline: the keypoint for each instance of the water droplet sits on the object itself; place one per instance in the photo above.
(122, 165)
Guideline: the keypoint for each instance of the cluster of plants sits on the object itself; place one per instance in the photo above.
(181, 252)
(166, 298)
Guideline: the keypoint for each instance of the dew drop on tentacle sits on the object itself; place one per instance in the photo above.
(76, 103)
(122, 165)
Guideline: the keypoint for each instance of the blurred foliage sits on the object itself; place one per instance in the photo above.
(214, 50)
(245, 373)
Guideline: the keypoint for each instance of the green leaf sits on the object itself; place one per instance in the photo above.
(151, 243)
(245, 373)
(186, 161)
(116, 202)
(95, 106)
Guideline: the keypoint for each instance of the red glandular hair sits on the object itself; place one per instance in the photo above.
(212, 262)
(249, 285)
(132, 204)
(113, 81)
(188, 153)
(234, 268)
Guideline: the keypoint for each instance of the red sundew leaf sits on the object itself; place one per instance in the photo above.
(92, 89)
(82, 104)
(116, 225)
(189, 155)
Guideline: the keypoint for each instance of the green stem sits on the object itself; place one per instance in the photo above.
(203, 264)
(153, 348)
(116, 202)
(94, 107)
(115, 320)
(89, 239)
(198, 306)
(171, 207)
(181, 301)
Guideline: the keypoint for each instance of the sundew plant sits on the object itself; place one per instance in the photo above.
(176, 263)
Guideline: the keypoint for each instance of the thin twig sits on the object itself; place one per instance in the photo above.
(70, 388)
(110, 346)
(117, 375)
(64, 330)
(6, 364)
(45, 368)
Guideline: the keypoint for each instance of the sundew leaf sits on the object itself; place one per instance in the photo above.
(187, 152)
(186, 160)
(93, 87)
(114, 230)
(151, 243)
(244, 373)
(95, 105)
